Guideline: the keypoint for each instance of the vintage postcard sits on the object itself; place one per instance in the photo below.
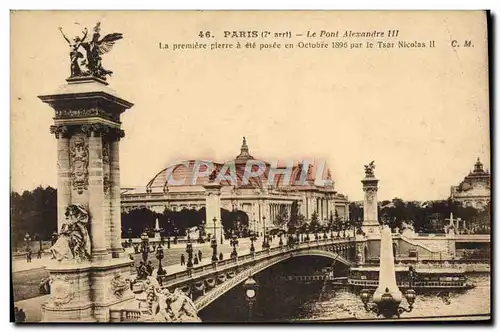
(250, 166)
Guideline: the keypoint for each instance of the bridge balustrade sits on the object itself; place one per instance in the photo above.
(228, 263)
(239, 269)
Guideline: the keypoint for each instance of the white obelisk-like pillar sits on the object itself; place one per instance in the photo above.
(387, 274)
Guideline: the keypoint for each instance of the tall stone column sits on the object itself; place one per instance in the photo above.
(370, 226)
(86, 281)
(212, 208)
(261, 214)
(271, 219)
(323, 209)
(96, 199)
(267, 214)
(114, 188)
(303, 206)
(63, 176)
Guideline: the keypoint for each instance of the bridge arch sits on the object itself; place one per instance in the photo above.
(261, 266)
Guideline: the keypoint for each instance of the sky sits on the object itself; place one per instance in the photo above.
(421, 114)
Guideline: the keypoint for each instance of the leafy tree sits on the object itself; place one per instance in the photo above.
(355, 213)
(236, 221)
(330, 223)
(137, 221)
(314, 225)
(282, 218)
(33, 212)
(293, 223)
(393, 213)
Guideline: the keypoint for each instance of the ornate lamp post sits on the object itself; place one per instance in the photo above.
(265, 241)
(387, 306)
(252, 239)
(145, 246)
(168, 233)
(27, 240)
(189, 251)
(176, 234)
(281, 240)
(160, 255)
(251, 288)
(129, 232)
(200, 231)
(234, 243)
(214, 249)
(221, 234)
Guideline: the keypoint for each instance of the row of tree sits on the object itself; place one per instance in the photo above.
(178, 222)
(35, 212)
(428, 217)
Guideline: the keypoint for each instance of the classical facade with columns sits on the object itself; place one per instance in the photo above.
(474, 190)
(261, 200)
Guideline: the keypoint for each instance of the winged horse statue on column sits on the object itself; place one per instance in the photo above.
(90, 64)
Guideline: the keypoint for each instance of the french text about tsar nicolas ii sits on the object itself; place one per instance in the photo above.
(329, 40)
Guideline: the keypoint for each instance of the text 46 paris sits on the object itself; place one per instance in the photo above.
(300, 44)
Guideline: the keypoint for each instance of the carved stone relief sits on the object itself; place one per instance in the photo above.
(79, 165)
(62, 290)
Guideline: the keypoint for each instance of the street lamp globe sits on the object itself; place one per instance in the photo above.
(410, 297)
(365, 296)
(251, 287)
(250, 293)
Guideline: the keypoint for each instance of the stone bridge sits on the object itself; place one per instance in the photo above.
(204, 284)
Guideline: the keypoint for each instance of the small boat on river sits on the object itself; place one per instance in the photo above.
(421, 277)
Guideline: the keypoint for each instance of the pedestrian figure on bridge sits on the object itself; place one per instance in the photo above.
(142, 271)
(150, 268)
(183, 259)
(28, 256)
(39, 254)
(221, 257)
(199, 255)
(195, 262)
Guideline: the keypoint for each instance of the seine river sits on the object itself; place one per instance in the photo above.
(320, 301)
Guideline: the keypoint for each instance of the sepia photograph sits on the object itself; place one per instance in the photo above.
(250, 167)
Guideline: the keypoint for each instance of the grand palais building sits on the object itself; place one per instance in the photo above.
(257, 198)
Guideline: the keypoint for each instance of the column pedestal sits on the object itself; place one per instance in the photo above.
(371, 226)
(212, 209)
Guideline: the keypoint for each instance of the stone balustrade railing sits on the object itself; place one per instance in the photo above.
(125, 315)
(241, 264)
(229, 263)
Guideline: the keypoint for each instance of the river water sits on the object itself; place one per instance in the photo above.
(319, 301)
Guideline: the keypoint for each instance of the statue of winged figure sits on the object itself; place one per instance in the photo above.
(370, 168)
(90, 65)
